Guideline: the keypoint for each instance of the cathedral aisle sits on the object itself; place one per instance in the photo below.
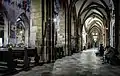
(79, 64)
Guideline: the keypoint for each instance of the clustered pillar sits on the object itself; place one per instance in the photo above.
(117, 23)
(50, 30)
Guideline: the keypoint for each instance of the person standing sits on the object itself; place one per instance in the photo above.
(101, 50)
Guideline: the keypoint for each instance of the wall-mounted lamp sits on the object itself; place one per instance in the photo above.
(21, 32)
(55, 20)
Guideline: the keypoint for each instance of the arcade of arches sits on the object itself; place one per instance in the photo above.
(79, 24)
(72, 24)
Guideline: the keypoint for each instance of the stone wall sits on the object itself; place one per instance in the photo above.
(36, 25)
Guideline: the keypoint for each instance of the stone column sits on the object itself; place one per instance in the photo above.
(65, 29)
(42, 50)
(37, 21)
(107, 33)
(53, 33)
(26, 36)
(104, 32)
(117, 24)
(81, 42)
(108, 26)
(77, 37)
(50, 29)
(6, 36)
(69, 29)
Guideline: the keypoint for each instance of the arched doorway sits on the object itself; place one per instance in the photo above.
(4, 24)
(20, 32)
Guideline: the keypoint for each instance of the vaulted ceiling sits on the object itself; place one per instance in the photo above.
(93, 12)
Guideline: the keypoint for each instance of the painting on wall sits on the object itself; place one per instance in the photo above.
(12, 31)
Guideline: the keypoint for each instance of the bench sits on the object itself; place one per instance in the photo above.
(6, 60)
(25, 54)
(32, 52)
(11, 59)
(19, 54)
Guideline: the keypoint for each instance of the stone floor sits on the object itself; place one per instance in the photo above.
(79, 64)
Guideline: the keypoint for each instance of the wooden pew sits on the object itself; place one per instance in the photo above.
(21, 54)
(32, 52)
(6, 60)
(13, 58)
(25, 54)
(18, 53)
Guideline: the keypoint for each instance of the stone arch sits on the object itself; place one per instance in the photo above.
(4, 14)
(23, 23)
(103, 16)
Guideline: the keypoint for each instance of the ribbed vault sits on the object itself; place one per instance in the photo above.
(94, 15)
